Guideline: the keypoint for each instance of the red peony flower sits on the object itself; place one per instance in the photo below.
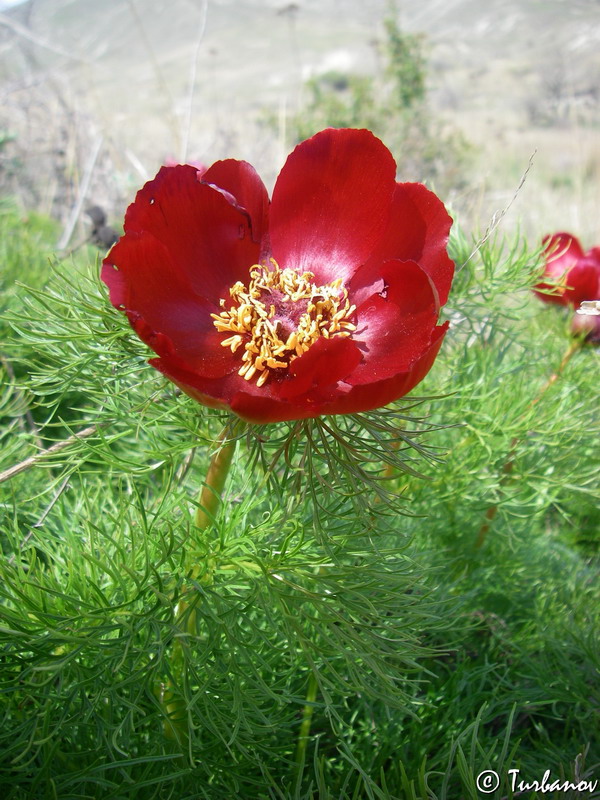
(574, 275)
(323, 301)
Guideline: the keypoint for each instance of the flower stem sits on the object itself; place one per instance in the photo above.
(173, 701)
(389, 470)
(507, 468)
(304, 733)
(210, 495)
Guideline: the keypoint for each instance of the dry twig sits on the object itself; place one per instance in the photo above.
(55, 448)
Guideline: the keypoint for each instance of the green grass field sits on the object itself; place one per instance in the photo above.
(427, 659)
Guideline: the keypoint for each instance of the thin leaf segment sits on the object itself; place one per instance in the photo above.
(279, 316)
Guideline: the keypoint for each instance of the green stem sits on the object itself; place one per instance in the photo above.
(304, 733)
(507, 468)
(175, 725)
(388, 471)
(210, 495)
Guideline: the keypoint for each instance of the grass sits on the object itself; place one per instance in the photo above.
(426, 660)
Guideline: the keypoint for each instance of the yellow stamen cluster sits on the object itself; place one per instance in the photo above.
(252, 321)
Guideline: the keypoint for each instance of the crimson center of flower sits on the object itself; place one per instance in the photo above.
(279, 315)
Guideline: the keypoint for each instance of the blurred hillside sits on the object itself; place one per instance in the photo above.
(100, 94)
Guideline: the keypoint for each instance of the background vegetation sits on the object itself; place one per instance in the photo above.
(339, 645)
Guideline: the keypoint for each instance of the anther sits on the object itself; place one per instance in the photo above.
(326, 313)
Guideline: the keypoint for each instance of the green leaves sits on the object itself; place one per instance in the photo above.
(331, 564)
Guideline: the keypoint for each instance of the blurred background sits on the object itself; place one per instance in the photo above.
(469, 96)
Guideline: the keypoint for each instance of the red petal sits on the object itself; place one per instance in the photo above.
(263, 406)
(264, 410)
(376, 395)
(162, 307)
(208, 239)
(312, 382)
(593, 255)
(562, 251)
(243, 183)
(243, 398)
(583, 282)
(331, 203)
(188, 383)
(418, 230)
(566, 265)
(395, 325)
(327, 362)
